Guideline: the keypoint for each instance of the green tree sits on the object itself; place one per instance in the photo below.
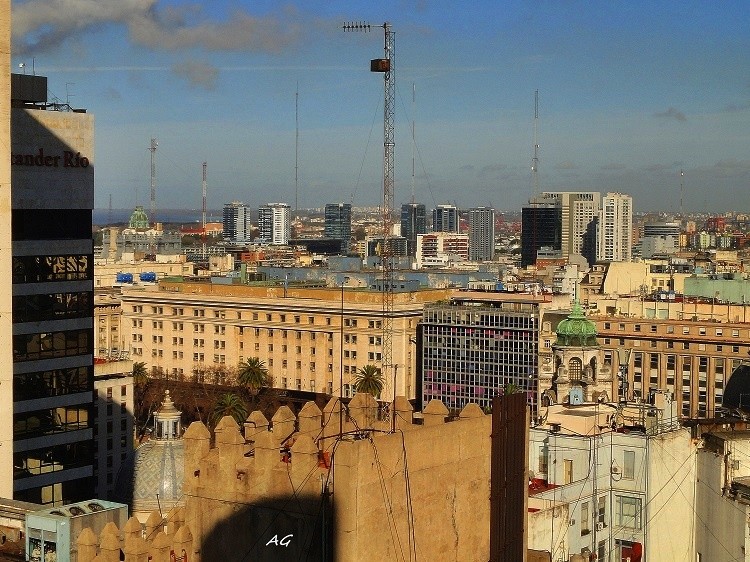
(253, 374)
(511, 388)
(228, 404)
(369, 379)
(140, 373)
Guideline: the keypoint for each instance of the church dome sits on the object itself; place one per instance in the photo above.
(576, 330)
(139, 219)
(158, 465)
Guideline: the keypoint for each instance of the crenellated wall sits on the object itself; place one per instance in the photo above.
(332, 485)
(164, 539)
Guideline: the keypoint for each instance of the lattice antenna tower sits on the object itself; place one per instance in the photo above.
(386, 66)
(152, 149)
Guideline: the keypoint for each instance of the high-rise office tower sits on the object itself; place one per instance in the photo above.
(578, 212)
(445, 218)
(541, 227)
(615, 229)
(236, 222)
(413, 222)
(274, 223)
(338, 224)
(52, 179)
(481, 234)
(6, 327)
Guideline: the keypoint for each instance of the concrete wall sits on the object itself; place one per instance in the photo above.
(6, 326)
(671, 491)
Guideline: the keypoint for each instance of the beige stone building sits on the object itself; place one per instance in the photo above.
(312, 339)
(689, 348)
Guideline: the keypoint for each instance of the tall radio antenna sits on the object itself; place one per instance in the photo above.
(296, 150)
(413, 139)
(535, 159)
(682, 192)
(152, 148)
(203, 216)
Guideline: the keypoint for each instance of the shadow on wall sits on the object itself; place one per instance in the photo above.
(286, 528)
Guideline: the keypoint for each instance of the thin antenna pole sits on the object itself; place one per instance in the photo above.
(109, 215)
(682, 192)
(413, 138)
(203, 230)
(535, 160)
(152, 148)
(296, 150)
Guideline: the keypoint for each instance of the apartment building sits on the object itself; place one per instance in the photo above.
(608, 480)
(312, 339)
(615, 228)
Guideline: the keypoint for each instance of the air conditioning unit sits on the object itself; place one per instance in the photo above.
(599, 526)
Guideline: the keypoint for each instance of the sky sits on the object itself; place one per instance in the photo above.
(630, 93)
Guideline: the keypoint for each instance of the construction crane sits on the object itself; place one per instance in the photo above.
(386, 67)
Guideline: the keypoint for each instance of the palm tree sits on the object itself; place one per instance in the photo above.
(253, 374)
(140, 373)
(511, 388)
(229, 404)
(369, 379)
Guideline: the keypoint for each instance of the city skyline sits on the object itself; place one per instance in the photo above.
(629, 96)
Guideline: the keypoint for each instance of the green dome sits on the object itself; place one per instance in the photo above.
(139, 218)
(576, 330)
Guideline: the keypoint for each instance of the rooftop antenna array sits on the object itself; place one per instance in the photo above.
(386, 67)
(152, 149)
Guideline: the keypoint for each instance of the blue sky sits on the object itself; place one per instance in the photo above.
(630, 93)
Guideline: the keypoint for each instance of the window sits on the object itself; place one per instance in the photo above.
(670, 329)
(602, 510)
(567, 471)
(543, 459)
(628, 512)
(628, 470)
(585, 525)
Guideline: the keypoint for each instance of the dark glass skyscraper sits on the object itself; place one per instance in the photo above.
(541, 227)
(338, 224)
(413, 222)
(52, 178)
(445, 219)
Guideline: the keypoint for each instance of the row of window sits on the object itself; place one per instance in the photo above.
(670, 329)
(42, 269)
(55, 382)
(44, 345)
(52, 306)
